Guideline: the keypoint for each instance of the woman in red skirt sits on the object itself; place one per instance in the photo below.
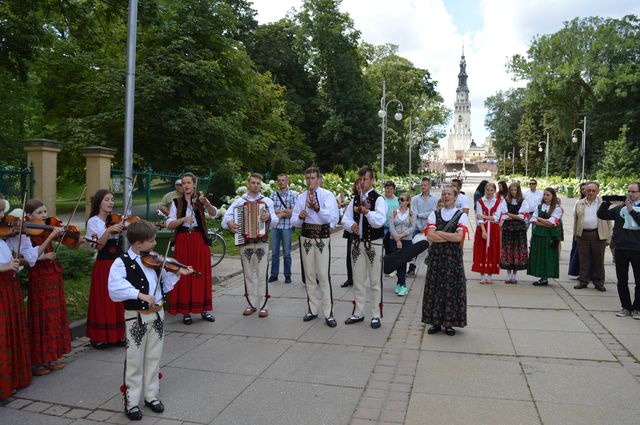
(15, 362)
(486, 245)
(105, 318)
(187, 218)
(47, 310)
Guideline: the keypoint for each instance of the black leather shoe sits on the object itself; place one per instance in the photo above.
(353, 319)
(375, 323)
(331, 322)
(309, 317)
(287, 280)
(186, 319)
(155, 405)
(99, 345)
(434, 329)
(208, 316)
(346, 283)
(541, 282)
(450, 331)
(134, 414)
(121, 343)
(273, 279)
(581, 285)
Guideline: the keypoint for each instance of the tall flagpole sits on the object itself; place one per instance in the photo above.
(129, 104)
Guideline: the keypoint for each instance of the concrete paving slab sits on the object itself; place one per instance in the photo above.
(227, 303)
(427, 409)
(192, 395)
(598, 303)
(482, 300)
(590, 290)
(471, 376)
(618, 325)
(290, 307)
(83, 383)
(471, 340)
(199, 326)
(531, 301)
(485, 317)
(579, 414)
(357, 334)
(631, 343)
(110, 354)
(272, 402)
(10, 416)
(176, 346)
(239, 357)
(543, 320)
(606, 385)
(269, 327)
(567, 345)
(523, 287)
(323, 364)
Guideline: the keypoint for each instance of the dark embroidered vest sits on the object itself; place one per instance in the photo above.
(137, 279)
(440, 223)
(514, 208)
(110, 250)
(201, 222)
(368, 233)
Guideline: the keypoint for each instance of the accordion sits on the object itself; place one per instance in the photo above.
(247, 217)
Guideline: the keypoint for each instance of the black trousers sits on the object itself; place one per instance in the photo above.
(349, 266)
(623, 258)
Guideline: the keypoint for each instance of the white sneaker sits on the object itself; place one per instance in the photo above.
(635, 314)
(623, 313)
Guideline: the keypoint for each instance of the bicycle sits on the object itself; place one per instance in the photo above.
(218, 247)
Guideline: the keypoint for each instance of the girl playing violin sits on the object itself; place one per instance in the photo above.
(15, 362)
(187, 218)
(47, 308)
(105, 318)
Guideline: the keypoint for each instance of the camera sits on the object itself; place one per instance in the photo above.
(614, 198)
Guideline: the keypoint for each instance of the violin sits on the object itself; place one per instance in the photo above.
(10, 226)
(156, 261)
(114, 218)
(71, 234)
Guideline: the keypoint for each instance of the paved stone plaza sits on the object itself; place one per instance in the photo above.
(548, 355)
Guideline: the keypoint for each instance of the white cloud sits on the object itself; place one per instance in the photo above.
(430, 37)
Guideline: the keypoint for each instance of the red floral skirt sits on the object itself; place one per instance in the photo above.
(486, 259)
(192, 294)
(47, 315)
(15, 362)
(105, 318)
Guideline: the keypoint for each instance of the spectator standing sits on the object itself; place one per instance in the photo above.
(626, 236)
(513, 250)
(592, 236)
(283, 202)
(479, 193)
(544, 258)
(392, 205)
(533, 196)
(422, 205)
(574, 258)
(165, 203)
(462, 201)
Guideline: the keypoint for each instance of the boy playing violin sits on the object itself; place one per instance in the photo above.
(137, 286)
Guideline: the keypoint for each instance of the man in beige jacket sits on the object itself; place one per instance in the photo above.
(592, 235)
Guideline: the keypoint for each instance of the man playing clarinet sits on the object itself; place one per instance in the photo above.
(254, 250)
(316, 212)
(364, 218)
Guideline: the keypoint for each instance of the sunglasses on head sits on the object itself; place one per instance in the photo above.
(403, 199)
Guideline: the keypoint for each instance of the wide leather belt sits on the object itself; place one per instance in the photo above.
(316, 231)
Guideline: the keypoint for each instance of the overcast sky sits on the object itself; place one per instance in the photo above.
(430, 33)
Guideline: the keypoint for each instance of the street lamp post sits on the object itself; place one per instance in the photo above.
(546, 154)
(583, 145)
(382, 113)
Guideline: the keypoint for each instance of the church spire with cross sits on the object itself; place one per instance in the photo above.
(460, 134)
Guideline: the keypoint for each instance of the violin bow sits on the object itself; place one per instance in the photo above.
(84, 189)
(125, 213)
(24, 202)
(164, 261)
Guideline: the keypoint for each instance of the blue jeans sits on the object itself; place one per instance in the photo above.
(281, 236)
(401, 270)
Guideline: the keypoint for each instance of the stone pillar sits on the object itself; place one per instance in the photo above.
(42, 155)
(98, 169)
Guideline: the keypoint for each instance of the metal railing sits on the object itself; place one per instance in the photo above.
(14, 182)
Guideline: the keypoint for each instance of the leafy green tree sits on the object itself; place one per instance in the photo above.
(621, 157)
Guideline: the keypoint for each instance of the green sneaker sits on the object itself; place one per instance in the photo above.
(397, 289)
(403, 291)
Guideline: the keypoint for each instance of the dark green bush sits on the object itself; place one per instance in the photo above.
(221, 185)
(76, 263)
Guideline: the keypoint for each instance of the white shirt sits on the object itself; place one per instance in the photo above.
(590, 217)
(556, 215)
(533, 198)
(375, 218)
(462, 201)
(120, 289)
(9, 245)
(502, 209)
(328, 213)
(447, 214)
(524, 208)
(228, 216)
(96, 228)
(173, 216)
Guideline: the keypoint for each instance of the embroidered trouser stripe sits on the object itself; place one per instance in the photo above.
(255, 259)
(144, 350)
(367, 276)
(316, 258)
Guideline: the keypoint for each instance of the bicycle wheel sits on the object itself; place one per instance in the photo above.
(218, 249)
